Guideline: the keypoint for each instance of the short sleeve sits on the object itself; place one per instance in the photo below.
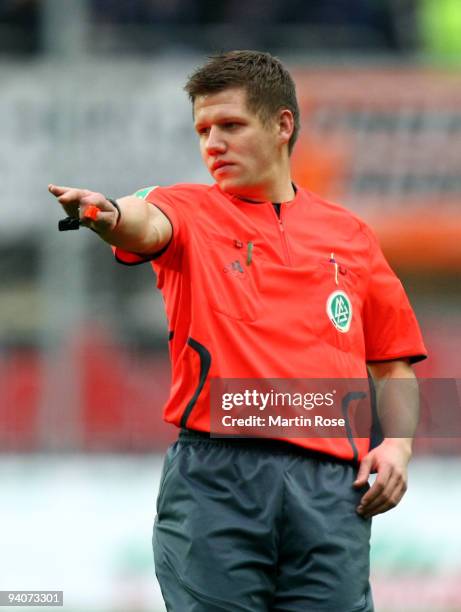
(162, 199)
(390, 326)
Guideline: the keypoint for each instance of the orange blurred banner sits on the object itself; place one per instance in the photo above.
(386, 143)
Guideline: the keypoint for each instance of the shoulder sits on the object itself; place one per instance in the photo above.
(337, 216)
(187, 197)
(328, 209)
(178, 189)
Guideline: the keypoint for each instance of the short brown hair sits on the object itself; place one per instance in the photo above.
(268, 84)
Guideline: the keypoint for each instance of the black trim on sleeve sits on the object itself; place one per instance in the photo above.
(170, 335)
(146, 257)
(411, 358)
(158, 253)
(130, 263)
(417, 358)
(205, 363)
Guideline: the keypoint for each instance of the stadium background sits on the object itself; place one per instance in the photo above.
(91, 95)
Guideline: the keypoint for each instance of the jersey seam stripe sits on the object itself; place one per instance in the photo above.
(205, 363)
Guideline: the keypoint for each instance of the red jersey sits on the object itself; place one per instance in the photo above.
(252, 294)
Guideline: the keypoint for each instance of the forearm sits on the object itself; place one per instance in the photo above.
(138, 228)
(397, 396)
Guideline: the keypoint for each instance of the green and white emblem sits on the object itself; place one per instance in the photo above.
(143, 193)
(339, 310)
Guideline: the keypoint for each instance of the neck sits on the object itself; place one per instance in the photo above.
(281, 191)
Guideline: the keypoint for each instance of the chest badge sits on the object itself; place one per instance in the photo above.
(339, 310)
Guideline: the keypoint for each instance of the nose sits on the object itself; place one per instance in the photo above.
(215, 142)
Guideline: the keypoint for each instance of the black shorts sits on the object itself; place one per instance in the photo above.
(257, 526)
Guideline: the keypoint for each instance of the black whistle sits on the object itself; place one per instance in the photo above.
(68, 224)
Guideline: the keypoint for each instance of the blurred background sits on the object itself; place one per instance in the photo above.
(91, 95)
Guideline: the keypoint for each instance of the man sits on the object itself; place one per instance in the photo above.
(249, 269)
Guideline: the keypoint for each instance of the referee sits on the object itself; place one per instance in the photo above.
(262, 279)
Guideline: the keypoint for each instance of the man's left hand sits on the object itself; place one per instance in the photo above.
(390, 461)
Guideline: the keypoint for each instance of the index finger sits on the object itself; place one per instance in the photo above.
(376, 488)
(59, 190)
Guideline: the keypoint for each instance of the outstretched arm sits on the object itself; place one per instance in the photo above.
(137, 226)
(398, 410)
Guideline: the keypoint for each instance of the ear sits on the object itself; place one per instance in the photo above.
(286, 125)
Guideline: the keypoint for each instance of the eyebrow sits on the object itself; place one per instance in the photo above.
(219, 121)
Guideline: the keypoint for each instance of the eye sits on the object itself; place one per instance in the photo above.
(203, 131)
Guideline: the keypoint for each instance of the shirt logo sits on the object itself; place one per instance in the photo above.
(235, 269)
(339, 310)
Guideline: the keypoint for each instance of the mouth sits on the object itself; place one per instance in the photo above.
(220, 166)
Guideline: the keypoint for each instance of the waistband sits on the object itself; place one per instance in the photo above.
(267, 444)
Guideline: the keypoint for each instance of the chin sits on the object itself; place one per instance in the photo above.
(235, 187)
(228, 186)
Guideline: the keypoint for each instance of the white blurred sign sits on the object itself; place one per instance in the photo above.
(84, 524)
(109, 127)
